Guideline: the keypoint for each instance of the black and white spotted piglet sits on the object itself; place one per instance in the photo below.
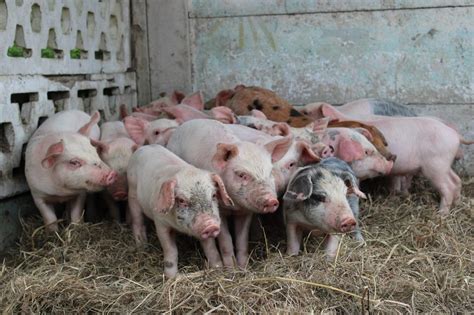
(322, 196)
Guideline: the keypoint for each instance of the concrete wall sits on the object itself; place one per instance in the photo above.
(419, 53)
(56, 55)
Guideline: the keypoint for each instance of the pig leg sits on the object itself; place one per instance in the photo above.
(47, 212)
(112, 207)
(211, 252)
(354, 204)
(242, 231)
(225, 244)
(440, 180)
(405, 184)
(458, 185)
(170, 253)
(293, 239)
(332, 245)
(77, 207)
(136, 215)
(395, 184)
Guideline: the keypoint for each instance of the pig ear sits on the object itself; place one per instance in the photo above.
(307, 155)
(330, 111)
(365, 133)
(319, 126)
(223, 114)
(223, 96)
(135, 147)
(224, 153)
(54, 151)
(177, 97)
(100, 146)
(221, 189)
(258, 114)
(123, 111)
(299, 189)
(352, 186)
(136, 129)
(349, 150)
(87, 128)
(278, 148)
(239, 87)
(195, 100)
(323, 150)
(166, 197)
(166, 134)
(282, 129)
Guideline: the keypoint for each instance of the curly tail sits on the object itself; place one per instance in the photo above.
(464, 141)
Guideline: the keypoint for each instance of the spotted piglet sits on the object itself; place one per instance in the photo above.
(317, 199)
(177, 197)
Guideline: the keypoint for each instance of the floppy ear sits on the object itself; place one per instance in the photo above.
(351, 183)
(223, 96)
(365, 133)
(166, 196)
(278, 148)
(101, 147)
(136, 129)
(319, 126)
(86, 129)
(195, 100)
(54, 151)
(223, 114)
(281, 129)
(307, 155)
(184, 112)
(224, 153)
(177, 97)
(299, 189)
(123, 111)
(349, 150)
(166, 134)
(258, 114)
(330, 111)
(221, 190)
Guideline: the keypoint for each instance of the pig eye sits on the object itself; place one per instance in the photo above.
(243, 175)
(214, 196)
(292, 164)
(157, 132)
(318, 197)
(75, 163)
(181, 202)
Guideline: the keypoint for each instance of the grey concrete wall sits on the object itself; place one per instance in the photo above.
(419, 53)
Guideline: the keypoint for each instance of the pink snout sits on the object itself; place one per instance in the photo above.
(109, 179)
(347, 224)
(210, 231)
(389, 166)
(120, 195)
(270, 204)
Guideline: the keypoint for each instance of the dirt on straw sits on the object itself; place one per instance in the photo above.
(413, 261)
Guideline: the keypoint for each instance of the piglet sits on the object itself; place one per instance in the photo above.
(150, 132)
(246, 169)
(115, 148)
(62, 165)
(316, 198)
(177, 197)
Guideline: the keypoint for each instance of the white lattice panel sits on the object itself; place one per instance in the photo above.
(26, 101)
(96, 32)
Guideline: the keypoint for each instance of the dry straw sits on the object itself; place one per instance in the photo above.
(413, 261)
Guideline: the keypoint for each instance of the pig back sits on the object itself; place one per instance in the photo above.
(69, 120)
(196, 141)
(112, 130)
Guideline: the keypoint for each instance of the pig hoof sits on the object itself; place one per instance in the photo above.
(443, 212)
(52, 227)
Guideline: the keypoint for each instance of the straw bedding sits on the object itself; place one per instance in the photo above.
(413, 261)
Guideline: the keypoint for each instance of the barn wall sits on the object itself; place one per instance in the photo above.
(56, 55)
(419, 53)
